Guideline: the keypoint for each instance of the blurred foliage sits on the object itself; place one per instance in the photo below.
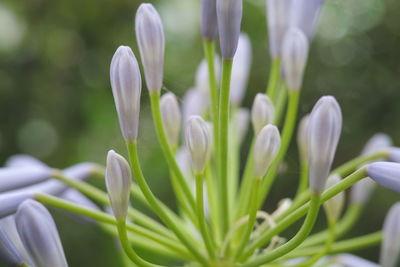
(56, 102)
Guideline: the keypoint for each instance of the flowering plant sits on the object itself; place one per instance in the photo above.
(219, 221)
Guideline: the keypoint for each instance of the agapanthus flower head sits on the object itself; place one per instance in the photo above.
(262, 112)
(208, 19)
(390, 249)
(387, 174)
(172, 117)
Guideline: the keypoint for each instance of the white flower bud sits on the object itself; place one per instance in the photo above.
(390, 248)
(118, 182)
(266, 147)
(387, 174)
(208, 19)
(39, 235)
(349, 260)
(262, 112)
(195, 102)
(126, 86)
(334, 206)
(21, 160)
(241, 120)
(14, 178)
(171, 115)
(302, 136)
(151, 42)
(305, 14)
(294, 58)
(377, 143)
(240, 70)
(324, 130)
(198, 142)
(202, 77)
(278, 15)
(229, 14)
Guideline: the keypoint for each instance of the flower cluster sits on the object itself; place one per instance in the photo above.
(220, 221)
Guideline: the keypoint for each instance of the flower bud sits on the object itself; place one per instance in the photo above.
(14, 178)
(334, 206)
(266, 147)
(118, 182)
(241, 120)
(126, 86)
(302, 136)
(324, 129)
(198, 141)
(390, 248)
(294, 58)
(387, 174)
(202, 77)
(229, 14)
(171, 115)
(349, 260)
(377, 143)
(21, 160)
(12, 251)
(208, 19)
(39, 235)
(278, 14)
(262, 112)
(305, 14)
(240, 70)
(151, 42)
(195, 102)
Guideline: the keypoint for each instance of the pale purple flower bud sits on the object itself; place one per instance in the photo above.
(22, 160)
(240, 70)
(229, 14)
(349, 260)
(183, 160)
(324, 130)
(302, 137)
(305, 14)
(39, 235)
(394, 154)
(241, 120)
(387, 174)
(390, 248)
(377, 143)
(12, 251)
(14, 178)
(118, 182)
(172, 117)
(278, 16)
(151, 42)
(208, 19)
(126, 86)
(334, 206)
(266, 147)
(262, 112)
(202, 77)
(294, 58)
(198, 142)
(195, 102)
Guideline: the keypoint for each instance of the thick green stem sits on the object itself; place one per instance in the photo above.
(303, 181)
(184, 237)
(167, 149)
(273, 81)
(223, 142)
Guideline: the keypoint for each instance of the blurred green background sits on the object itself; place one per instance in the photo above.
(56, 102)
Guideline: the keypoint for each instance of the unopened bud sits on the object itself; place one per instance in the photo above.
(171, 115)
(14, 178)
(208, 20)
(305, 15)
(266, 147)
(390, 249)
(302, 137)
(387, 174)
(118, 182)
(262, 112)
(294, 58)
(241, 120)
(151, 42)
(334, 206)
(229, 14)
(126, 86)
(198, 141)
(195, 102)
(202, 75)
(324, 130)
(349, 260)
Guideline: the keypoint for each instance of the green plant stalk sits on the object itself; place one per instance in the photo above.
(233, 166)
(102, 198)
(273, 81)
(201, 218)
(342, 246)
(301, 211)
(167, 149)
(184, 237)
(280, 103)
(252, 218)
(303, 181)
(223, 142)
(353, 164)
(123, 237)
(287, 133)
(301, 235)
(108, 219)
(213, 205)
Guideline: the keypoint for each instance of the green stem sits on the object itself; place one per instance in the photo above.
(166, 148)
(303, 182)
(189, 243)
(201, 218)
(123, 236)
(223, 142)
(252, 217)
(274, 75)
(280, 103)
(301, 211)
(287, 133)
(212, 194)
